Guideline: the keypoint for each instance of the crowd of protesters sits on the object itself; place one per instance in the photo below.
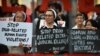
(54, 17)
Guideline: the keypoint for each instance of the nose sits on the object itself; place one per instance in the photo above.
(80, 19)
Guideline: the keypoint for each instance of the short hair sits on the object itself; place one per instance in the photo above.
(80, 14)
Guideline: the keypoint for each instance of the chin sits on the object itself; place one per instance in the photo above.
(80, 24)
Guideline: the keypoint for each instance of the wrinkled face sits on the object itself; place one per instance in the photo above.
(79, 20)
(19, 17)
(49, 17)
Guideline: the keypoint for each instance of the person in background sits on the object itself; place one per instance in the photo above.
(92, 17)
(26, 10)
(20, 16)
(89, 25)
(37, 15)
(79, 19)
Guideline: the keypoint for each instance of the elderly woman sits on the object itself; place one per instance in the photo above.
(20, 16)
(48, 22)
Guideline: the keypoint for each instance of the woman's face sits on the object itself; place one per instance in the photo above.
(19, 17)
(49, 17)
(88, 23)
(79, 20)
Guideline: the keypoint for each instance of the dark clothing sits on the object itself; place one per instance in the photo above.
(99, 24)
(94, 23)
(4, 48)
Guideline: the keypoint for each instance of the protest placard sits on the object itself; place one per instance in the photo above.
(12, 33)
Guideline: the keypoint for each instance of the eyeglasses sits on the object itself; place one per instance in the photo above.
(48, 15)
(18, 17)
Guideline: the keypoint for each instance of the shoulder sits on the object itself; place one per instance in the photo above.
(75, 27)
